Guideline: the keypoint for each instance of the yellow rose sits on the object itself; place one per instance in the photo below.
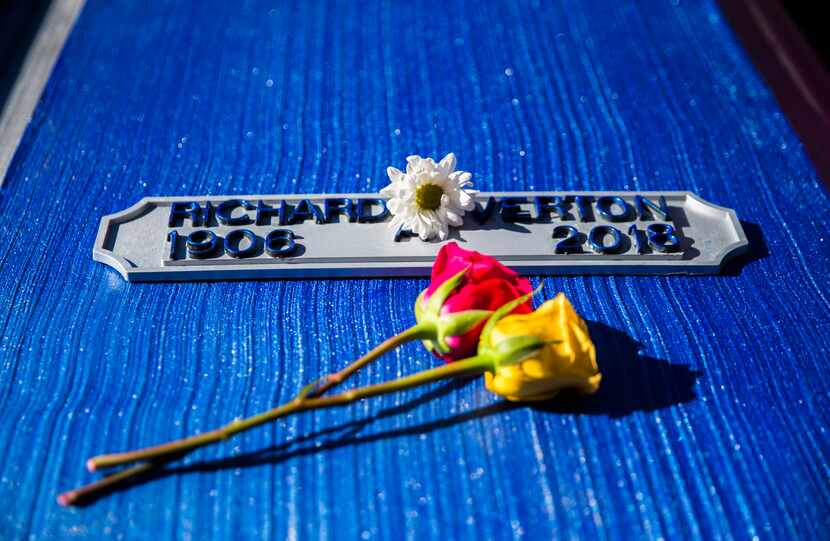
(565, 358)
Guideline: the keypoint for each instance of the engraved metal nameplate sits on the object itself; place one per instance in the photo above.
(347, 235)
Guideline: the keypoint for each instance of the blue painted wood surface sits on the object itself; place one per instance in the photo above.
(712, 419)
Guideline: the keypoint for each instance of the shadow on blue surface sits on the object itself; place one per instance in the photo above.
(756, 250)
(631, 382)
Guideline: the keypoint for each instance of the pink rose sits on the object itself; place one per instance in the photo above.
(485, 285)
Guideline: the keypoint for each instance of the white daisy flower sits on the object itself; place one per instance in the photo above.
(429, 197)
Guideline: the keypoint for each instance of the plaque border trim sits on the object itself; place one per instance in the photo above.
(608, 265)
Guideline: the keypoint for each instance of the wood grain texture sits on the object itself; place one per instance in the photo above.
(712, 418)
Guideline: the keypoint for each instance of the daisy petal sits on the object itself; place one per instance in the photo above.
(448, 163)
(412, 164)
(395, 175)
(454, 219)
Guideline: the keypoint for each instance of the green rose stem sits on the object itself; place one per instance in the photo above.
(319, 387)
(416, 332)
(151, 457)
(431, 327)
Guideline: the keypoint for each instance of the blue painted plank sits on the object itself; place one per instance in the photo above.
(712, 419)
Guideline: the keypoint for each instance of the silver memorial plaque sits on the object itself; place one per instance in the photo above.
(347, 235)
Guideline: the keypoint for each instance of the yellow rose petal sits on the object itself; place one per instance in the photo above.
(568, 359)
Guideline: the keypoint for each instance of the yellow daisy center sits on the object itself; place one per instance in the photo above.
(428, 196)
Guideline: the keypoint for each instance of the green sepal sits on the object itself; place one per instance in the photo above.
(515, 349)
(503, 311)
(440, 343)
(457, 324)
(419, 310)
(436, 300)
(429, 312)
(460, 322)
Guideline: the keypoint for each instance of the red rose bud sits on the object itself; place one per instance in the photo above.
(466, 287)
